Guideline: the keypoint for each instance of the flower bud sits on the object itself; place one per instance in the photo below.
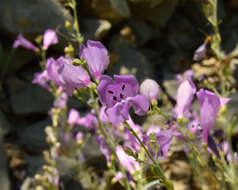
(150, 89)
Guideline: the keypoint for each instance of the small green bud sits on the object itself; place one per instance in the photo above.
(39, 39)
(69, 51)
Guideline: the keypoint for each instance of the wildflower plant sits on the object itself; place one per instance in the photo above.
(130, 151)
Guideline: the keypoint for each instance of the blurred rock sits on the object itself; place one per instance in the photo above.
(4, 179)
(142, 30)
(66, 166)
(34, 165)
(170, 85)
(31, 17)
(34, 137)
(158, 14)
(130, 60)
(30, 99)
(94, 29)
(111, 10)
(4, 125)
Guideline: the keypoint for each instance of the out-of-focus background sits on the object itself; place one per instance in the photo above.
(148, 38)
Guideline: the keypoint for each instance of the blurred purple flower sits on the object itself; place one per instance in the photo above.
(96, 56)
(150, 89)
(119, 95)
(184, 97)
(188, 75)
(104, 148)
(61, 101)
(128, 162)
(65, 74)
(117, 177)
(200, 52)
(79, 137)
(21, 41)
(49, 38)
(42, 78)
(209, 107)
(89, 121)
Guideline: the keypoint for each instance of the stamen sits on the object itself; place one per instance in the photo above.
(109, 91)
(123, 87)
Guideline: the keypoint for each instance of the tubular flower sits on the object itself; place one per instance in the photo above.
(66, 75)
(119, 95)
(49, 38)
(96, 56)
(21, 41)
(42, 78)
(210, 104)
(184, 97)
(200, 52)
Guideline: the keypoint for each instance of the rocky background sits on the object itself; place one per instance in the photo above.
(148, 38)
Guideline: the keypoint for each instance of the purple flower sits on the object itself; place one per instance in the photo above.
(188, 75)
(119, 95)
(79, 137)
(150, 89)
(184, 97)
(21, 41)
(128, 162)
(96, 56)
(50, 38)
(104, 148)
(65, 74)
(209, 107)
(61, 101)
(89, 121)
(42, 78)
(200, 52)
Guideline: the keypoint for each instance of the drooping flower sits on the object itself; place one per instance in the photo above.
(21, 41)
(96, 56)
(184, 97)
(65, 74)
(210, 104)
(49, 38)
(119, 95)
(128, 162)
(200, 52)
(150, 89)
(42, 78)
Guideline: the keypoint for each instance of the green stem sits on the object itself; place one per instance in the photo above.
(157, 167)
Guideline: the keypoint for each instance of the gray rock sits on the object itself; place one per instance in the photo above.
(170, 85)
(31, 17)
(4, 125)
(4, 179)
(34, 137)
(158, 14)
(121, 7)
(111, 10)
(142, 31)
(94, 28)
(130, 60)
(34, 165)
(31, 99)
(28, 184)
(66, 166)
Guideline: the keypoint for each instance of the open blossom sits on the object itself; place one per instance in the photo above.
(42, 78)
(210, 104)
(129, 163)
(66, 75)
(96, 56)
(49, 38)
(21, 41)
(184, 97)
(119, 95)
(200, 52)
(150, 88)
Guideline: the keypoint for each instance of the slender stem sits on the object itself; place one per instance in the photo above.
(157, 167)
